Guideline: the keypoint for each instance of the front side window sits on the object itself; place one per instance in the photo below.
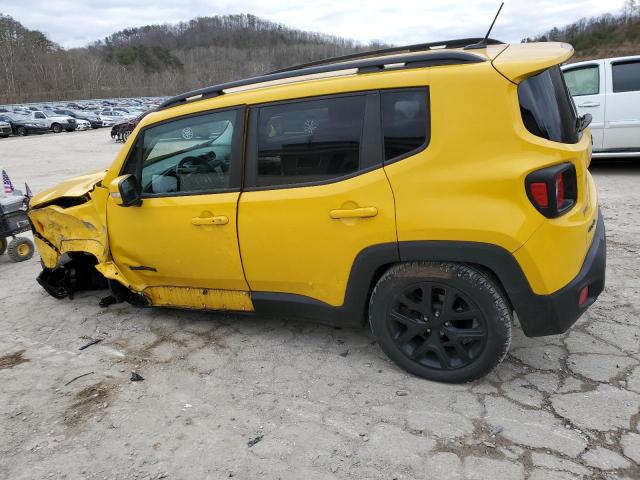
(583, 80)
(404, 122)
(309, 141)
(547, 108)
(626, 76)
(188, 155)
(40, 115)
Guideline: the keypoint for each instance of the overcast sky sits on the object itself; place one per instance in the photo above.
(74, 23)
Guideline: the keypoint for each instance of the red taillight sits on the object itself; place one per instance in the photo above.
(553, 190)
(540, 194)
(584, 295)
(560, 190)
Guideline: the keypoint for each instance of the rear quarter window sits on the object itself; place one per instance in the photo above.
(405, 122)
(547, 108)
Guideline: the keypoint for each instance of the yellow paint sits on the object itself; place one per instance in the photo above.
(74, 187)
(290, 243)
(202, 299)
(161, 234)
(521, 59)
(468, 185)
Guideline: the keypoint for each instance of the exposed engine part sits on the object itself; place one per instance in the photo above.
(73, 273)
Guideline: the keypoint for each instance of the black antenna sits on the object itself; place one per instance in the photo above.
(483, 43)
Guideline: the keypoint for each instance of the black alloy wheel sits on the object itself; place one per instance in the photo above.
(442, 321)
(437, 325)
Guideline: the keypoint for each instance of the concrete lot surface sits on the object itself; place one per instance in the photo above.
(228, 396)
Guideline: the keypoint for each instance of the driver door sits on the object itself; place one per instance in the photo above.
(180, 247)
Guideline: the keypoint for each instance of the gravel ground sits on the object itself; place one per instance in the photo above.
(227, 396)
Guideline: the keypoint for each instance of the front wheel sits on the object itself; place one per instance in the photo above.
(56, 128)
(446, 322)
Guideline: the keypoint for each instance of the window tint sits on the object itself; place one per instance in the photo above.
(404, 122)
(309, 141)
(39, 115)
(626, 76)
(583, 81)
(547, 108)
(188, 155)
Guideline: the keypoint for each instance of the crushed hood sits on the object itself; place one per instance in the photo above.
(74, 187)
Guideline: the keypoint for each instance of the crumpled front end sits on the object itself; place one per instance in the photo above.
(69, 228)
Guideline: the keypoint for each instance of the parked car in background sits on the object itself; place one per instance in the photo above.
(82, 124)
(609, 89)
(21, 125)
(121, 131)
(56, 123)
(93, 120)
(5, 129)
(111, 117)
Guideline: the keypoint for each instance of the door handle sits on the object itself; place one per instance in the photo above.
(589, 104)
(217, 220)
(362, 212)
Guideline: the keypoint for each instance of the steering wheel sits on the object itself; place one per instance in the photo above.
(198, 164)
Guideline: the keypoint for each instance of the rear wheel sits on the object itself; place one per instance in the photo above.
(20, 249)
(441, 321)
(21, 131)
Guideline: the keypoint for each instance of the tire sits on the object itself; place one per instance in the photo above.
(69, 130)
(125, 135)
(21, 132)
(441, 321)
(4, 136)
(20, 249)
(3, 245)
(56, 128)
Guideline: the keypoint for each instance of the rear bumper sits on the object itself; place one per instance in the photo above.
(553, 314)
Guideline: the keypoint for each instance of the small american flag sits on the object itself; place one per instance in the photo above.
(6, 182)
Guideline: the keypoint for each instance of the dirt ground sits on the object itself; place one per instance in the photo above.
(227, 396)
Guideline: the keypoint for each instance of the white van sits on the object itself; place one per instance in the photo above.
(609, 90)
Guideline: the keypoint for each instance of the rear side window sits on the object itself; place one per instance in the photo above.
(626, 76)
(309, 141)
(547, 108)
(405, 127)
(583, 80)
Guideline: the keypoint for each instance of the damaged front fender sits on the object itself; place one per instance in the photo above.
(77, 228)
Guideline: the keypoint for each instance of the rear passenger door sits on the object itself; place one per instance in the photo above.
(586, 84)
(315, 194)
(623, 105)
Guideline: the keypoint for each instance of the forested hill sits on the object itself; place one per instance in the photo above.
(600, 37)
(171, 58)
(154, 59)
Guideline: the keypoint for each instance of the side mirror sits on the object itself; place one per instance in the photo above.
(125, 191)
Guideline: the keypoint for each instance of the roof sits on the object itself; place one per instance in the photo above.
(513, 61)
(447, 52)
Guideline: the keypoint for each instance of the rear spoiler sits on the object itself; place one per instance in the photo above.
(520, 60)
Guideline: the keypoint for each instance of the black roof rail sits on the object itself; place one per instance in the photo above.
(360, 62)
(457, 43)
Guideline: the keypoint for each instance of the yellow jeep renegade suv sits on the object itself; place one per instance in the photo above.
(432, 192)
